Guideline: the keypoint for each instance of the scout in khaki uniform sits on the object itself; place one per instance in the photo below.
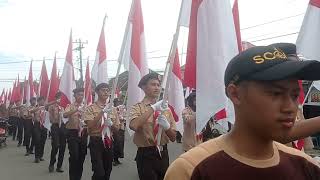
(76, 135)
(39, 135)
(145, 119)
(58, 140)
(190, 138)
(13, 118)
(262, 83)
(19, 121)
(27, 117)
(118, 137)
(102, 121)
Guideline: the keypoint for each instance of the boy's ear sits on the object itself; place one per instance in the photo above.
(233, 92)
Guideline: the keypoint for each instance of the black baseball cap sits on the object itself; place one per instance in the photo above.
(269, 63)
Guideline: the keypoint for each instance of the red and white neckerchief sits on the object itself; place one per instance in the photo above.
(81, 123)
(60, 115)
(42, 115)
(105, 131)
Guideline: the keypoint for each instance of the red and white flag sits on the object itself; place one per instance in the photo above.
(67, 83)
(54, 82)
(29, 93)
(308, 46)
(44, 81)
(87, 86)
(138, 66)
(2, 97)
(24, 90)
(17, 96)
(11, 92)
(99, 71)
(308, 41)
(175, 96)
(7, 97)
(212, 43)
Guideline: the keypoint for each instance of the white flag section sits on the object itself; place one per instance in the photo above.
(308, 41)
(185, 13)
(216, 45)
(175, 95)
(138, 66)
(67, 83)
(99, 70)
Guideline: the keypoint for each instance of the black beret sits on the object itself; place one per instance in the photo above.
(144, 80)
(101, 85)
(268, 63)
(76, 90)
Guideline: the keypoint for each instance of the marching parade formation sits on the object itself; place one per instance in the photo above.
(239, 113)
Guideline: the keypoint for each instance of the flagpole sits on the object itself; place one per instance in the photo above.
(170, 61)
(120, 58)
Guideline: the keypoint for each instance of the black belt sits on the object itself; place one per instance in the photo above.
(153, 148)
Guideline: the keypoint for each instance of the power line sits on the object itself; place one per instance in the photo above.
(274, 37)
(277, 20)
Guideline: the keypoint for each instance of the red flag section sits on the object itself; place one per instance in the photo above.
(54, 82)
(87, 86)
(175, 96)
(44, 81)
(235, 12)
(99, 69)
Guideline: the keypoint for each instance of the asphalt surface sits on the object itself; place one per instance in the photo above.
(15, 166)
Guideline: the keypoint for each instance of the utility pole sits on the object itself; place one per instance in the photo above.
(80, 46)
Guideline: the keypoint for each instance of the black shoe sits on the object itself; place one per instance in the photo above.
(27, 154)
(116, 163)
(41, 159)
(36, 160)
(59, 170)
(51, 169)
(31, 152)
(19, 145)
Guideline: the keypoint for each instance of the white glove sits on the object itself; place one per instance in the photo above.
(108, 122)
(160, 106)
(107, 110)
(162, 121)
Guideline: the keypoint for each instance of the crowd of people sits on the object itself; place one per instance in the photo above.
(262, 84)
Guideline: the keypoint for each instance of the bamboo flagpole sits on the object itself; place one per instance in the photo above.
(120, 58)
(169, 67)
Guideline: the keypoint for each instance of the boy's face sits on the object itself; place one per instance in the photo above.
(79, 97)
(41, 102)
(33, 102)
(103, 93)
(268, 109)
(152, 88)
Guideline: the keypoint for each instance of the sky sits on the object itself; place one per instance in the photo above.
(37, 29)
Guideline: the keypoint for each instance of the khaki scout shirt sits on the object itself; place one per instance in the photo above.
(145, 136)
(37, 115)
(74, 119)
(25, 112)
(91, 112)
(189, 137)
(54, 113)
(13, 111)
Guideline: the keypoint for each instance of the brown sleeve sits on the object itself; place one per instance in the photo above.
(180, 169)
(172, 122)
(115, 117)
(134, 112)
(68, 108)
(88, 115)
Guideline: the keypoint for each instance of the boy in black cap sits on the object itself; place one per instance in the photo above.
(100, 116)
(76, 137)
(262, 84)
(145, 118)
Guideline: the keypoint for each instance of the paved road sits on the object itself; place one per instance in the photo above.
(15, 166)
